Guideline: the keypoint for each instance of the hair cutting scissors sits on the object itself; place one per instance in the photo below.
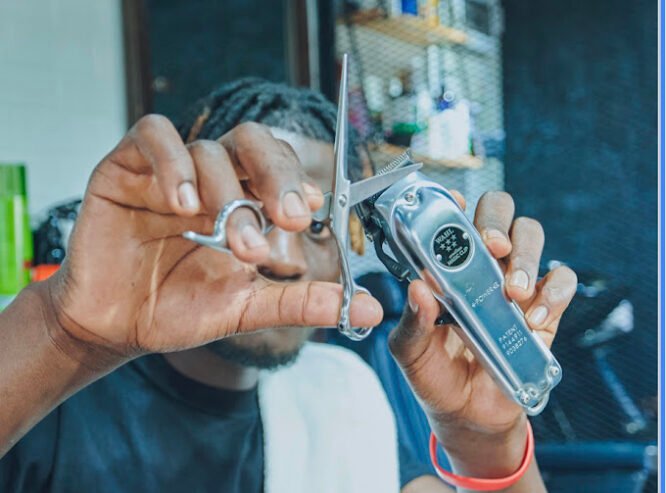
(334, 213)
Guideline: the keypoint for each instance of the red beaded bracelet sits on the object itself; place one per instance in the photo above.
(481, 484)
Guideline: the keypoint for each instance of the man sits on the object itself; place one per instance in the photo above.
(207, 416)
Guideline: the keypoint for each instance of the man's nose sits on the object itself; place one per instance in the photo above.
(286, 261)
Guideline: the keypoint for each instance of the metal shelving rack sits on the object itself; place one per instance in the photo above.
(459, 44)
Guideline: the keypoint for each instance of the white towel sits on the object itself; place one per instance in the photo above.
(328, 427)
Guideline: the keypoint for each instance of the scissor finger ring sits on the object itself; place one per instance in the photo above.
(218, 240)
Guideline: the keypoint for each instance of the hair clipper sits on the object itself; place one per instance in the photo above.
(432, 239)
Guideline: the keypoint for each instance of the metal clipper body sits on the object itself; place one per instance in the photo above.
(428, 233)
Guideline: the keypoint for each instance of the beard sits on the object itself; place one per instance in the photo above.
(257, 351)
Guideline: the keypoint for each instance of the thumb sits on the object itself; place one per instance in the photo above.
(309, 304)
(411, 338)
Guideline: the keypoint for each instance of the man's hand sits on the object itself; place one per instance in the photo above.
(132, 284)
(481, 429)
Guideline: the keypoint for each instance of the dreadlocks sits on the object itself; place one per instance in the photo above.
(298, 110)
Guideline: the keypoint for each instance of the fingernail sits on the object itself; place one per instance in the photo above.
(311, 190)
(519, 279)
(538, 315)
(412, 305)
(252, 237)
(187, 196)
(293, 206)
(493, 234)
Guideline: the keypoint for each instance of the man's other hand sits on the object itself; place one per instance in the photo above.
(467, 411)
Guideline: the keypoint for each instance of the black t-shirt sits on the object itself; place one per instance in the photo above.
(147, 428)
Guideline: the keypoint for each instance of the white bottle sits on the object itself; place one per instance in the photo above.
(449, 131)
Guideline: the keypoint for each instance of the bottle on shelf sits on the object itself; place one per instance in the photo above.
(429, 11)
(394, 8)
(373, 88)
(399, 118)
(15, 235)
(424, 102)
(410, 7)
(424, 105)
(449, 129)
(427, 112)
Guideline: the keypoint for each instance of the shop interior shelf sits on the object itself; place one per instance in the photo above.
(384, 152)
(408, 28)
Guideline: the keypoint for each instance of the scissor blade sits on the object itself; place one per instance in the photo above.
(341, 181)
(364, 189)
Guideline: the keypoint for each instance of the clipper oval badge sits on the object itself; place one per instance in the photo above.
(452, 246)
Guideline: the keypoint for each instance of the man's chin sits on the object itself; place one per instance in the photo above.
(268, 350)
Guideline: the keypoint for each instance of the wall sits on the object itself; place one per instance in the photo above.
(197, 45)
(62, 91)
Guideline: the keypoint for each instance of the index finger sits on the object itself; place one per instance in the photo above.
(493, 218)
(154, 145)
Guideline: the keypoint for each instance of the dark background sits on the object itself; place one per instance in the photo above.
(198, 44)
(580, 88)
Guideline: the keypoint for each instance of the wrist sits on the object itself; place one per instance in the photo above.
(40, 364)
(525, 478)
(78, 346)
(482, 453)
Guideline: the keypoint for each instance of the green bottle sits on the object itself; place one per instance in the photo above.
(15, 235)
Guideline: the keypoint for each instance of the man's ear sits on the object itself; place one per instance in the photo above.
(356, 234)
(198, 125)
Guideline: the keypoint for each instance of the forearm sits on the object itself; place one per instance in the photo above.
(483, 456)
(40, 366)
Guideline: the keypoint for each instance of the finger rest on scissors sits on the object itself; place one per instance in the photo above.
(218, 240)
